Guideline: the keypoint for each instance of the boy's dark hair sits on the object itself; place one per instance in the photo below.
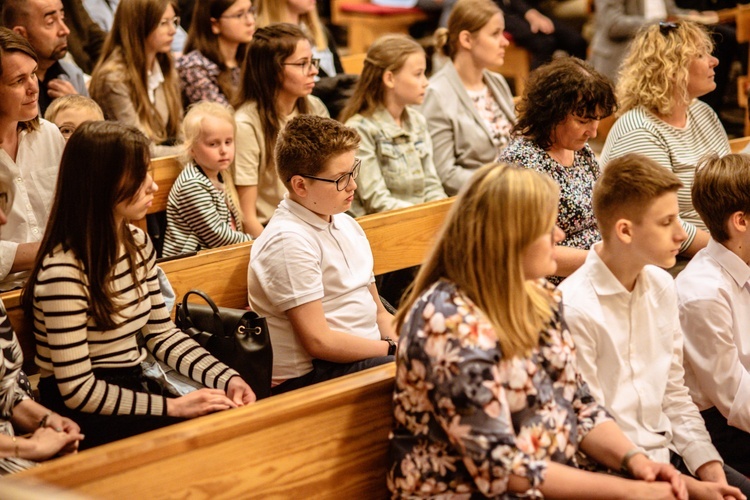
(628, 185)
(721, 188)
(307, 142)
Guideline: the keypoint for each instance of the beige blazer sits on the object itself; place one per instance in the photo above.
(461, 141)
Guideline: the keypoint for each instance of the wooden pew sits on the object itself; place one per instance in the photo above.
(164, 171)
(399, 239)
(324, 441)
(739, 144)
(366, 22)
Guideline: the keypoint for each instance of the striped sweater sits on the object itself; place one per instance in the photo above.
(679, 149)
(199, 215)
(70, 345)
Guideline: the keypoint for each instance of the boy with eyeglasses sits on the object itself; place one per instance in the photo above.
(310, 270)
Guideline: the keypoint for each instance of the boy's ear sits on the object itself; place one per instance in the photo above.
(738, 223)
(624, 231)
(298, 186)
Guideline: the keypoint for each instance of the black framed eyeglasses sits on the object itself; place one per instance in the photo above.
(666, 27)
(306, 65)
(341, 182)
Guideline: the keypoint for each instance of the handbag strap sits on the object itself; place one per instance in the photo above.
(218, 325)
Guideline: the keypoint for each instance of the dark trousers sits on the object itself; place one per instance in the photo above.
(102, 429)
(542, 46)
(328, 370)
(732, 443)
(734, 478)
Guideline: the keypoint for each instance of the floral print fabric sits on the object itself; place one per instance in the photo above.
(466, 417)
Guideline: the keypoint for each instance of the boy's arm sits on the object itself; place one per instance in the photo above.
(385, 319)
(714, 359)
(310, 325)
(584, 332)
(689, 434)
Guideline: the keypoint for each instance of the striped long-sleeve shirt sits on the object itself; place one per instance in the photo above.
(199, 215)
(70, 345)
(679, 149)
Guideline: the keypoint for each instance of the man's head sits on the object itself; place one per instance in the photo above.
(635, 204)
(42, 23)
(315, 160)
(721, 195)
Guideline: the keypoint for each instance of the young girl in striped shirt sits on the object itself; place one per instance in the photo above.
(202, 206)
(96, 304)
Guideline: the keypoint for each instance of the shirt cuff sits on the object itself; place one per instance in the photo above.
(7, 256)
(698, 453)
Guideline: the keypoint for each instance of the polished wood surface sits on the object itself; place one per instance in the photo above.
(325, 441)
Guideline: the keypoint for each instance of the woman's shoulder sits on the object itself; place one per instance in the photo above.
(521, 151)
(59, 263)
(317, 107)
(196, 60)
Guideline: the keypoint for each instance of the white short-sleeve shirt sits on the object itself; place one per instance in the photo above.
(300, 258)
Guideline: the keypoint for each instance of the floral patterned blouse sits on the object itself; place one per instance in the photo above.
(466, 417)
(199, 79)
(576, 211)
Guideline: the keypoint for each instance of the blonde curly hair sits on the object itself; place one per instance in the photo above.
(655, 71)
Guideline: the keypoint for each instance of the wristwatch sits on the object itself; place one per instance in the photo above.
(391, 346)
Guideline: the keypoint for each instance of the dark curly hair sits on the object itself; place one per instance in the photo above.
(563, 87)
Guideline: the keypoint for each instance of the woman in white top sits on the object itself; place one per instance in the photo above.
(469, 109)
(134, 81)
(669, 66)
(277, 78)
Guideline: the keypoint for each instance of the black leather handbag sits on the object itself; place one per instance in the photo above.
(236, 337)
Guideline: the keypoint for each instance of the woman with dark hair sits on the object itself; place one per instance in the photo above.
(488, 399)
(332, 85)
(30, 150)
(469, 107)
(95, 300)
(217, 40)
(278, 77)
(134, 81)
(574, 98)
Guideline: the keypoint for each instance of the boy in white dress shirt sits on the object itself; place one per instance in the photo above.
(714, 301)
(310, 270)
(621, 309)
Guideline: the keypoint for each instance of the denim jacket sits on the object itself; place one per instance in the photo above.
(397, 167)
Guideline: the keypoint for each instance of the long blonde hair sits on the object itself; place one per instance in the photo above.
(496, 216)
(192, 128)
(656, 67)
(388, 53)
(123, 53)
(272, 11)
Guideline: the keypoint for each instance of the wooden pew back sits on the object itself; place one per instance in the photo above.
(399, 239)
(164, 171)
(323, 441)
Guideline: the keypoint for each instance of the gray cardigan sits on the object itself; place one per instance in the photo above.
(461, 141)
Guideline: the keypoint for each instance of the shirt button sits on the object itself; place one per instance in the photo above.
(35, 231)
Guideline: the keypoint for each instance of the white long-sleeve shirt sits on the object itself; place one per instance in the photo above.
(34, 176)
(630, 354)
(714, 301)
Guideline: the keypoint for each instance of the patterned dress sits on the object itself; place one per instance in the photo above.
(575, 210)
(10, 391)
(466, 417)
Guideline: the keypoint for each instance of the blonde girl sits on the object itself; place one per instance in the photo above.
(396, 150)
(488, 399)
(202, 206)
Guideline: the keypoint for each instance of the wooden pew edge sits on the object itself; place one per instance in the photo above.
(75, 470)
